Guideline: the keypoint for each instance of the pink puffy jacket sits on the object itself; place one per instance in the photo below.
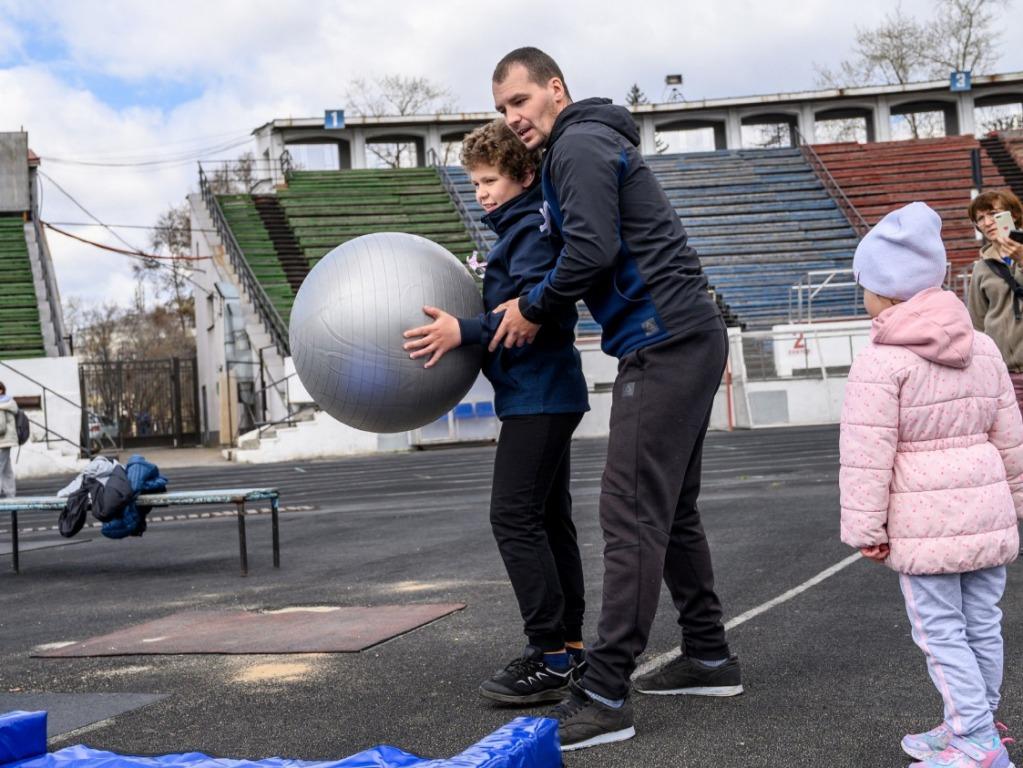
(932, 442)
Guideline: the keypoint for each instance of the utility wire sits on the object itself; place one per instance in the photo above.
(86, 211)
(179, 159)
(134, 253)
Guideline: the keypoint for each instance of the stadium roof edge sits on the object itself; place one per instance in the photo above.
(456, 118)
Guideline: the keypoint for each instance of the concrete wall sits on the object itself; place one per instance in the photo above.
(59, 374)
(14, 191)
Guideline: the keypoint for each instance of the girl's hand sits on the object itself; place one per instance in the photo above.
(878, 553)
(435, 339)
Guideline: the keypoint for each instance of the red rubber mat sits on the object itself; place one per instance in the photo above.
(292, 630)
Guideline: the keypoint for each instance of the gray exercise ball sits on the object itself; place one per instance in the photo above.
(346, 332)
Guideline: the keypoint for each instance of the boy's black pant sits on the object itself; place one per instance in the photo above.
(660, 410)
(531, 514)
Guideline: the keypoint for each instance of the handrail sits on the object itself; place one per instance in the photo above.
(475, 231)
(854, 217)
(47, 391)
(287, 166)
(50, 283)
(268, 313)
(806, 285)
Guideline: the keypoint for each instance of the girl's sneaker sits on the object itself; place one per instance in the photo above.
(964, 752)
(923, 745)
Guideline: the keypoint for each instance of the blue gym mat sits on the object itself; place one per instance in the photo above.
(525, 742)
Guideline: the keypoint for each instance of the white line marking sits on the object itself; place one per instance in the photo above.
(659, 661)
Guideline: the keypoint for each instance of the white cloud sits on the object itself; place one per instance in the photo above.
(252, 61)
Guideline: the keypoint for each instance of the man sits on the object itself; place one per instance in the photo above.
(8, 440)
(625, 254)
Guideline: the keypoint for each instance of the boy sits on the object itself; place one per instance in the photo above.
(540, 397)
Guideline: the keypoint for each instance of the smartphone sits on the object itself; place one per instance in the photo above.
(1005, 223)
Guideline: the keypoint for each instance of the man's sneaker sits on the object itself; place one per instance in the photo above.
(583, 722)
(579, 663)
(966, 753)
(923, 745)
(527, 680)
(686, 676)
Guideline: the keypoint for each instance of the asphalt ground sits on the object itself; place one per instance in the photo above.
(832, 676)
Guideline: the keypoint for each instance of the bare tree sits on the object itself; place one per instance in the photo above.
(398, 95)
(173, 236)
(234, 176)
(962, 36)
(634, 98)
(958, 36)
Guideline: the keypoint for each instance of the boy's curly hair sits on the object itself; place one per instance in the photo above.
(496, 144)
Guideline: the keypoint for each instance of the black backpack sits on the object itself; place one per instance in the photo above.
(21, 425)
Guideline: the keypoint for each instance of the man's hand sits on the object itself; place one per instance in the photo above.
(515, 330)
(435, 339)
(878, 553)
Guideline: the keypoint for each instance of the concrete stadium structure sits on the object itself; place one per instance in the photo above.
(801, 111)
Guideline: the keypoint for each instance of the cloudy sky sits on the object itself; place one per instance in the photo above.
(123, 82)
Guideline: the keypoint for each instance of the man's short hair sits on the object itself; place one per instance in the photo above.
(497, 145)
(1004, 198)
(539, 65)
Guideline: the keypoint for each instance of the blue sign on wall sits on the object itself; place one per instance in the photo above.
(960, 81)
(334, 118)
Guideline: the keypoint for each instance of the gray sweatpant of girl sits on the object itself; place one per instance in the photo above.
(957, 623)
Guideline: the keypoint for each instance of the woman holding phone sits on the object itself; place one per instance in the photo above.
(995, 299)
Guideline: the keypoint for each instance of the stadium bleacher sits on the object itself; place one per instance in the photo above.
(885, 175)
(253, 238)
(327, 208)
(20, 332)
(759, 219)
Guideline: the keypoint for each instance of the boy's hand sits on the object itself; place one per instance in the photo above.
(435, 339)
(878, 553)
(514, 330)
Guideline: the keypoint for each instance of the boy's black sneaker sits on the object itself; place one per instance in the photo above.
(584, 722)
(527, 680)
(684, 676)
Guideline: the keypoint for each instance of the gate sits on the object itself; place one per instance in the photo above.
(135, 403)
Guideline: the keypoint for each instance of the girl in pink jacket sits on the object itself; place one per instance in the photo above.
(932, 476)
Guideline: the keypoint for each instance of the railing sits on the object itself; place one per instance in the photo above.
(83, 443)
(475, 231)
(268, 313)
(808, 288)
(287, 166)
(62, 339)
(856, 220)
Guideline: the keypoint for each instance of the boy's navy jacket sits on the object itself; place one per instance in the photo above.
(545, 376)
(624, 251)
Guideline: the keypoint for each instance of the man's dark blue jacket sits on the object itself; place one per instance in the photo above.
(545, 376)
(624, 251)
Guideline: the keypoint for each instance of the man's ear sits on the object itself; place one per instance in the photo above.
(557, 89)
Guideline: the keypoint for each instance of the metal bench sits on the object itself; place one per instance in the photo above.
(236, 496)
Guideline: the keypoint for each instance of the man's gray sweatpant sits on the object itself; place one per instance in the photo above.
(7, 487)
(957, 623)
(660, 411)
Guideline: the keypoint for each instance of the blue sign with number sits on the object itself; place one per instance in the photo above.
(960, 81)
(334, 118)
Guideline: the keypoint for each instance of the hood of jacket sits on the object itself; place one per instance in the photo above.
(934, 324)
(596, 110)
(506, 216)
